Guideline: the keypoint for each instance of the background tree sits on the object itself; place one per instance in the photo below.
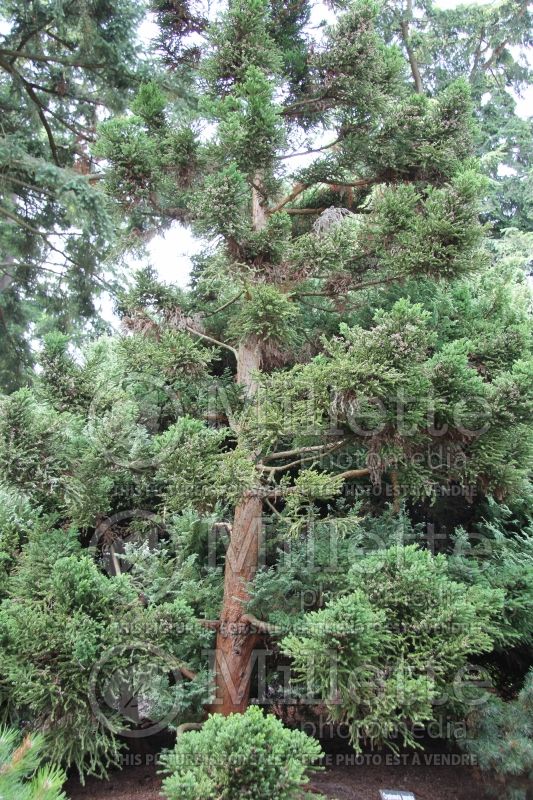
(62, 69)
(487, 45)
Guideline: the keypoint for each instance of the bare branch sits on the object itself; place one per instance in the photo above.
(309, 152)
(40, 107)
(210, 339)
(306, 454)
(188, 726)
(226, 305)
(187, 673)
(297, 190)
(354, 473)
(304, 211)
(68, 62)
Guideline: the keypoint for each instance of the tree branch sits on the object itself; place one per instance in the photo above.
(315, 452)
(297, 190)
(357, 287)
(304, 211)
(40, 108)
(187, 673)
(295, 452)
(354, 473)
(301, 187)
(210, 339)
(226, 305)
(309, 152)
(68, 62)
(188, 726)
(26, 225)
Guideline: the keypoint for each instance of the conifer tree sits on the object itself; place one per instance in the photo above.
(383, 215)
(352, 361)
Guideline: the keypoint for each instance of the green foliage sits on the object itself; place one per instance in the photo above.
(133, 154)
(309, 560)
(67, 631)
(149, 103)
(484, 45)
(31, 456)
(500, 738)
(239, 40)
(244, 755)
(21, 777)
(221, 203)
(357, 69)
(189, 456)
(492, 556)
(383, 653)
(17, 518)
(268, 314)
(250, 126)
(441, 240)
(56, 230)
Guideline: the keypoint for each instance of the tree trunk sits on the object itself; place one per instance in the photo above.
(413, 63)
(234, 656)
(236, 640)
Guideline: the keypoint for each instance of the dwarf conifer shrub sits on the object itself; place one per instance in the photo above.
(501, 740)
(250, 755)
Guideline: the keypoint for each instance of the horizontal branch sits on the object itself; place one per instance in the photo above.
(301, 187)
(357, 287)
(290, 109)
(304, 211)
(306, 454)
(188, 726)
(364, 472)
(295, 452)
(68, 62)
(280, 492)
(211, 339)
(309, 152)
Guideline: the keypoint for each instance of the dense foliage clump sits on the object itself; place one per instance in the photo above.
(246, 755)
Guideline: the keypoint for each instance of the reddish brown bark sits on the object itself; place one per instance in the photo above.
(235, 644)
(236, 639)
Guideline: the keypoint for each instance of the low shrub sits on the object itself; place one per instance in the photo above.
(500, 738)
(250, 755)
(384, 652)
